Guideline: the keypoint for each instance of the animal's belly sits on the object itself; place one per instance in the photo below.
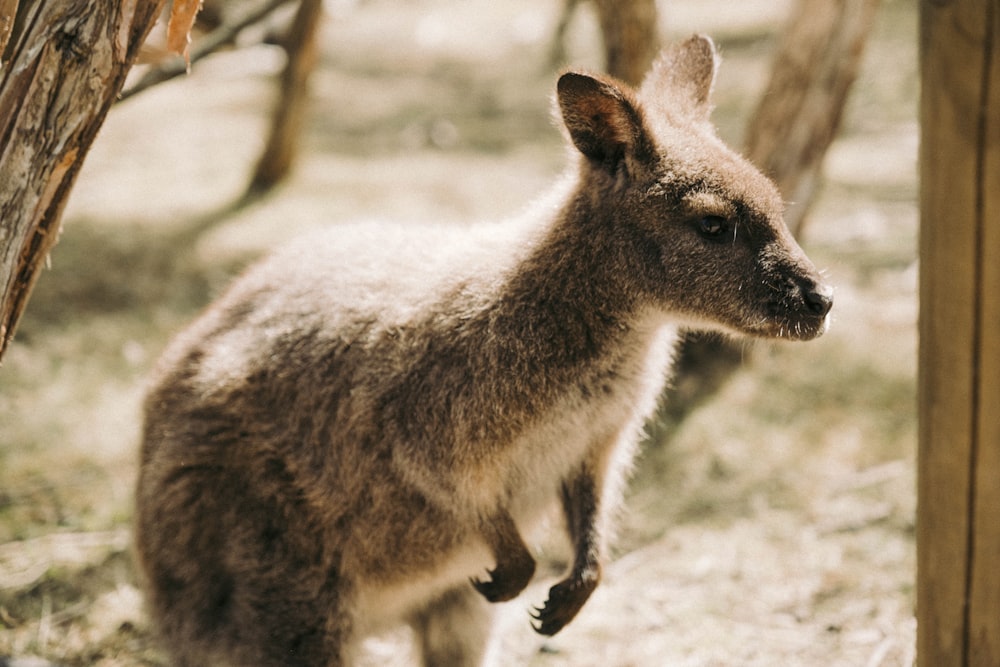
(382, 605)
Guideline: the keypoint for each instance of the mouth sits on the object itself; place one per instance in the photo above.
(804, 330)
(784, 318)
(802, 313)
(806, 327)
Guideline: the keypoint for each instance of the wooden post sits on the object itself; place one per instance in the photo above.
(958, 523)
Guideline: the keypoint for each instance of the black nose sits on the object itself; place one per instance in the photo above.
(819, 299)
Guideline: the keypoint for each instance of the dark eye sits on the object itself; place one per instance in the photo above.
(712, 226)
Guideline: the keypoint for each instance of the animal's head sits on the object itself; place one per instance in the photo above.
(701, 228)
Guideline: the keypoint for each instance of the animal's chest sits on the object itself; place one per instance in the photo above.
(598, 420)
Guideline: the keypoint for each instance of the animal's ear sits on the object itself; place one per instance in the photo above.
(682, 78)
(602, 119)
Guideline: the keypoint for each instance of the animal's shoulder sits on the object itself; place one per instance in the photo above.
(374, 266)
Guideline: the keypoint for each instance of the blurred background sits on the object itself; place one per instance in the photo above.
(770, 519)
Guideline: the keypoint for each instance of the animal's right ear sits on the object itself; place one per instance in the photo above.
(603, 121)
(682, 78)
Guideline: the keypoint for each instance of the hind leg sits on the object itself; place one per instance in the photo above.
(237, 579)
(455, 630)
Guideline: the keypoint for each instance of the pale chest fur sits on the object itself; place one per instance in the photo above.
(602, 414)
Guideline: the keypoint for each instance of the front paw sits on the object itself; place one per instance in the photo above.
(506, 581)
(565, 599)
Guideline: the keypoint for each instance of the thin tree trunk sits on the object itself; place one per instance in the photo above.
(64, 64)
(286, 123)
(800, 112)
(557, 50)
(630, 38)
(8, 10)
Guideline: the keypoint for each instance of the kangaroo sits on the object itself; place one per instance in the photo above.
(362, 429)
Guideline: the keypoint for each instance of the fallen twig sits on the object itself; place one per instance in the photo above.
(25, 562)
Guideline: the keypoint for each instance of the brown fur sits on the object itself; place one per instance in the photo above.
(368, 420)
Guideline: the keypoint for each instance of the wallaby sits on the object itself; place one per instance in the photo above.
(369, 420)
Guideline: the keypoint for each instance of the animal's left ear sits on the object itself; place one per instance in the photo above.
(602, 118)
(682, 78)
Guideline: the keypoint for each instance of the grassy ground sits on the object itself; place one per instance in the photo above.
(773, 525)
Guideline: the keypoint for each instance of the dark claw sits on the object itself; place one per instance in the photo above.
(488, 588)
(565, 600)
(503, 586)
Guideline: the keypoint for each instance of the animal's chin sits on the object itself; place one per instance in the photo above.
(782, 328)
(791, 329)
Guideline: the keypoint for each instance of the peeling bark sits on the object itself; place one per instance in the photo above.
(8, 10)
(64, 64)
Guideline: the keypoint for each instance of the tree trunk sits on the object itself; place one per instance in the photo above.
(630, 38)
(8, 10)
(629, 31)
(800, 112)
(64, 64)
(286, 122)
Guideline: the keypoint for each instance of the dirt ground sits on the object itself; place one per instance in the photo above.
(773, 525)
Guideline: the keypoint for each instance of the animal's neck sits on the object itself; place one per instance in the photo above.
(561, 324)
(566, 303)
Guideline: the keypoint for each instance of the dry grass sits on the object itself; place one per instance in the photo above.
(773, 525)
